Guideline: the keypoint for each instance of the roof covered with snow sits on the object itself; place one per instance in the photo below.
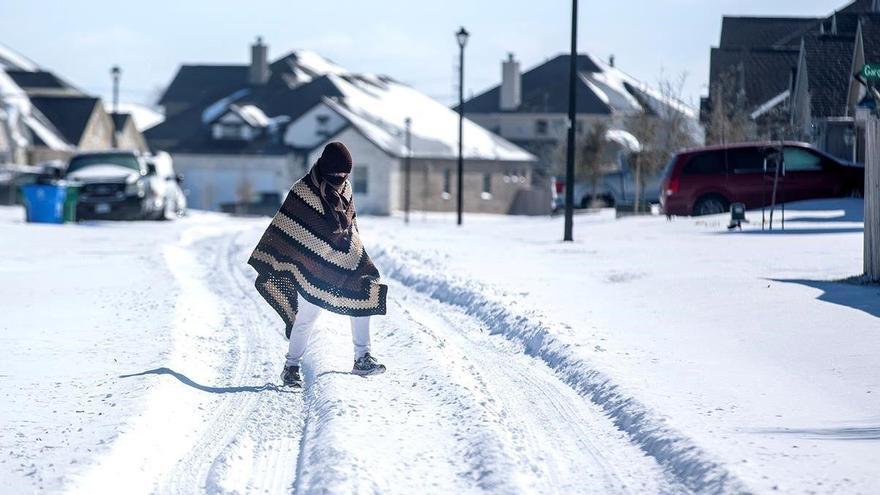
(377, 106)
(12, 60)
(144, 117)
(602, 90)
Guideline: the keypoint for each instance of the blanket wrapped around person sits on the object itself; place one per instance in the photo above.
(312, 247)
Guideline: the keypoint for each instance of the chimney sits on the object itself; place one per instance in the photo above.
(259, 69)
(611, 60)
(511, 84)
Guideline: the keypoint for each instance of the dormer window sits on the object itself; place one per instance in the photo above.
(229, 131)
(239, 123)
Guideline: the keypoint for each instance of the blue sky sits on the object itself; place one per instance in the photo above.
(411, 41)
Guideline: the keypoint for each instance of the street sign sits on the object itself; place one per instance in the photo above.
(871, 72)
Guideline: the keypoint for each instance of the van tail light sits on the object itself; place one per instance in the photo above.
(672, 186)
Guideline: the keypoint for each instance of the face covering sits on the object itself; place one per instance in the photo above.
(330, 187)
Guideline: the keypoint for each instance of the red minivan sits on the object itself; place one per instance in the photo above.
(706, 181)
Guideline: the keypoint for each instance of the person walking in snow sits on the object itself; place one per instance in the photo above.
(311, 258)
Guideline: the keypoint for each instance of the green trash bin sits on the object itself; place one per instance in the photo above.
(70, 202)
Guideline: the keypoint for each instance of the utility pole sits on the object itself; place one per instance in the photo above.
(461, 36)
(407, 171)
(572, 128)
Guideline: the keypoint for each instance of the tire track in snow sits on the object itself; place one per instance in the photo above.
(455, 413)
(251, 443)
(692, 467)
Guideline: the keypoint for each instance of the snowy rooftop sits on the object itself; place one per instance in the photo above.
(375, 105)
(378, 108)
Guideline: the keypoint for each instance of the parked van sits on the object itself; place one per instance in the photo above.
(706, 181)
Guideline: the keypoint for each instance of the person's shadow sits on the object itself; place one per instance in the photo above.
(205, 388)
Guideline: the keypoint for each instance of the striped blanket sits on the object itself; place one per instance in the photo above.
(303, 252)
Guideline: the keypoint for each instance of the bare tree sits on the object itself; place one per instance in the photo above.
(590, 156)
(662, 129)
(729, 120)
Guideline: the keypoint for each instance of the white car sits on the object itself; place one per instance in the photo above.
(126, 185)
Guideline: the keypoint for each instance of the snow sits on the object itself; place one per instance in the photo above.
(697, 342)
(646, 357)
(144, 117)
(15, 98)
(316, 65)
(219, 107)
(770, 104)
(252, 115)
(379, 108)
(624, 138)
(10, 59)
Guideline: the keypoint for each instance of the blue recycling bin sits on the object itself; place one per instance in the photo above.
(44, 203)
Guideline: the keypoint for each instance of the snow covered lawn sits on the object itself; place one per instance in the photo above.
(647, 357)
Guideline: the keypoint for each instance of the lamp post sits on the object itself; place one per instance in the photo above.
(115, 72)
(461, 36)
(572, 127)
(407, 171)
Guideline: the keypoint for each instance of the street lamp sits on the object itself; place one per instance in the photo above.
(569, 157)
(462, 37)
(115, 72)
(407, 170)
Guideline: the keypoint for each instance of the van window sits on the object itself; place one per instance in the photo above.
(745, 161)
(801, 160)
(710, 162)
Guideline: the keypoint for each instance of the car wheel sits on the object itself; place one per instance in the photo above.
(711, 205)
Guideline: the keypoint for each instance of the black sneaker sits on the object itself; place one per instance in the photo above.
(290, 377)
(367, 365)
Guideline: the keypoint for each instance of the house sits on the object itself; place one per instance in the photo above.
(245, 133)
(530, 109)
(791, 76)
(126, 135)
(53, 118)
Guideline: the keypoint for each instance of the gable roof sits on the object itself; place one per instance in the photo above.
(828, 62)
(194, 83)
(69, 115)
(870, 26)
(378, 112)
(763, 72)
(42, 82)
(601, 89)
(763, 32)
(120, 120)
(544, 89)
(860, 7)
(12, 60)
(302, 80)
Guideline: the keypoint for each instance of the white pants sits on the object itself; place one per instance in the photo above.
(306, 317)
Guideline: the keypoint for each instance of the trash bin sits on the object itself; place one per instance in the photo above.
(44, 203)
(70, 200)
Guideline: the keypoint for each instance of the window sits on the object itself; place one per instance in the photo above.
(487, 187)
(541, 127)
(359, 179)
(745, 161)
(447, 183)
(711, 162)
(229, 131)
(801, 160)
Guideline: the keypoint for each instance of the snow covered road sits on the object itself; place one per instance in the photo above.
(460, 410)
(138, 358)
